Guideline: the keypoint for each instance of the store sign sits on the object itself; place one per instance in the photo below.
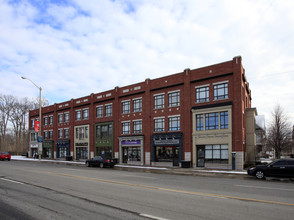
(167, 142)
(131, 142)
(37, 126)
(81, 144)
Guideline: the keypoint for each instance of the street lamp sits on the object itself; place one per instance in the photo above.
(40, 149)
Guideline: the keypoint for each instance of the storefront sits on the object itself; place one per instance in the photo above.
(82, 142)
(104, 139)
(131, 150)
(166, 149)
(62, 148)
(33, 149)
(47, 149)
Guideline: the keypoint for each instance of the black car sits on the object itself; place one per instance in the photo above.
(283, 168)
(100, 161)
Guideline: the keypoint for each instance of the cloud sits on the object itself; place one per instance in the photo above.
(75, 48)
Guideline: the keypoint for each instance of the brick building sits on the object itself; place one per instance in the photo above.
(197, 115)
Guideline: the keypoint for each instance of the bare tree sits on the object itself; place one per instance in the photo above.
(6, 105)
(279, 132)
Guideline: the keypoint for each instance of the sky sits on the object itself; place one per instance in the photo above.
(74, 48)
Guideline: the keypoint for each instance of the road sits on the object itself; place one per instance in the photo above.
(34, 190)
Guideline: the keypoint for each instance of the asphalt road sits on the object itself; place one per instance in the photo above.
(35, 190)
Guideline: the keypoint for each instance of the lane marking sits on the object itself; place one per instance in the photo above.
(13, 181)
(261, 187)
(153, 217)
(174, 190)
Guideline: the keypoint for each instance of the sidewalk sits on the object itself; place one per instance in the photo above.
(167, 170)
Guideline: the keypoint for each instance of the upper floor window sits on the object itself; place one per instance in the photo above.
(82, 133)
(86, 113)
(126, 107)
(137, 105)
(126, 129)
(46, 121)
(199, 122)
(51, 134)
(224, 120)
(104, 131)
(66, 117)
(99, 111)
(174, 99)
(33, 123)
(108, 110)
(60, 118)
(159, 124)
(78, 115)
(137, 127)
(202, 94)
(51, 120)
(174, 123)
(211, 121)
(45, 134)
(34, 136)
(60, 133)
(159, 101)
(220, 91)
(66, 133)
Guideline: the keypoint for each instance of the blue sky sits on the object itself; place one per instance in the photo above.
(74, 48)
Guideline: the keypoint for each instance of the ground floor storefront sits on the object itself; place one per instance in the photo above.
(62, 148)
(131, 150)
(47, 151)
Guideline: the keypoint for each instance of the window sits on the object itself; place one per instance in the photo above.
(33, 123)
(126, 107)
(126, 127)
(60, 118)
(46, 121)
(60, 133)
(45, 134)
(66, 133)
(98, 131)
(82, 133)
(199, 122)
(202, 94)
(211, 121)
(174, 123)
(66, 117)
(159, 101)
(104, 131)
(159, 124)
(50, 134)
(51, 120)
(34, 136)
(174, 99)
(137, 127)
(99, 111)
(108, 110)
(137, 104)
(78, 115)
(220, 91)
(216, 153)
(224, 120)
(85, 114)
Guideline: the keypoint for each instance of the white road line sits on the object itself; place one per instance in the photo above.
(153, 217)
(11, 181)
(261, 187)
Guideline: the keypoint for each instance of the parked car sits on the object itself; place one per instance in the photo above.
(5, 156)
(100, 161)
(283, 168)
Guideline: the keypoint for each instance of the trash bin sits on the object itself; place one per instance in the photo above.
(186, 164)
(68, 158)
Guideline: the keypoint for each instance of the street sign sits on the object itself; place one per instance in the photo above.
(40, 139)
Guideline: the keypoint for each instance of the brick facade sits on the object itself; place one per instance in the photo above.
(154, 122)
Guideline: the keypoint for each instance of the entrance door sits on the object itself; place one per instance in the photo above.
(200, 155)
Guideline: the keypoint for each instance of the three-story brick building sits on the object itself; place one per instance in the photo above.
(197, 115)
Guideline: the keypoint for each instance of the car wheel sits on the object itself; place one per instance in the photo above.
(259, 174)
(101, 165)
(87, 164)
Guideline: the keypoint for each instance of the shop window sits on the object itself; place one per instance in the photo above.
(217, 154)
(126, 127)
(131, 154)
(221, 91)
(126, 107)
(166, 154)
(137, 127)
(108, 110)
(202, 94)
(174, 99)
(211, 121)
(159, 101)
(82, 153)
(174, 123)
(159, 124)
(99, 112)
(137, 105)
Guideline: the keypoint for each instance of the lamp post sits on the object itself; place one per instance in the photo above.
(40, 149)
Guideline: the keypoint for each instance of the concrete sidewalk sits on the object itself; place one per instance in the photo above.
(166, 170)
